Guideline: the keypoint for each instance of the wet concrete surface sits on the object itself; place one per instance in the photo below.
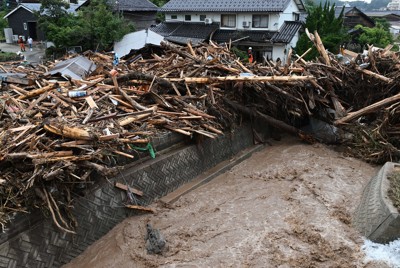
(33, 57)
(289, 205)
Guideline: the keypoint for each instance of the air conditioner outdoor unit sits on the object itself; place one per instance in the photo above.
(207, 21)
(246, 24)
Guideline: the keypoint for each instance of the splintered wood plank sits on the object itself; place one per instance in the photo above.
(125, 188)
(141, 208)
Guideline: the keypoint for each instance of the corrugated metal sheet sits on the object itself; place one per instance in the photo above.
(77, 68)
(136, 40)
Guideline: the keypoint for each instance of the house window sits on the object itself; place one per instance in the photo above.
(228, 20)
(174, 17)
(296, 16)
(260, 21)
(188, 17)
(202, 17)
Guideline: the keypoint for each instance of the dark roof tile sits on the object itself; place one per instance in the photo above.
(136, 5)
(287, 32)
(226, 5)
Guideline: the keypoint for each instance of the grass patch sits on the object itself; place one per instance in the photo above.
(8, 56)
(394, 189)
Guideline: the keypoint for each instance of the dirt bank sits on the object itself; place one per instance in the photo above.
(289, 205)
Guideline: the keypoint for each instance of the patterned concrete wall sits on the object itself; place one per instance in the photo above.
(34, 241)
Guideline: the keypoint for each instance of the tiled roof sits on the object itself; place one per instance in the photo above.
(31, 7)
(136, 5)
(178, 32)
(222, 36)
(225, 5)
(287, 32)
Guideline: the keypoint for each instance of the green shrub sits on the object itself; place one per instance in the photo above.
(8, 56)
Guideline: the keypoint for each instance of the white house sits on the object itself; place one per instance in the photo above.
(269, 27)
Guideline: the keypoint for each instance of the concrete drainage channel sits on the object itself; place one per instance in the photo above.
(33, 241)
(376, 217)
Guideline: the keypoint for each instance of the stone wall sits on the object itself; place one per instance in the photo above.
(32, 240)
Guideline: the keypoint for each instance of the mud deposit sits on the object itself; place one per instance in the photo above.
(288, 205)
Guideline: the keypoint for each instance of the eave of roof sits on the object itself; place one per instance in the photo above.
(224, 36)
(15, 9)
(185, 29)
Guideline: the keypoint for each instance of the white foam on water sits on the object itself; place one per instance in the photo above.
(388, 253)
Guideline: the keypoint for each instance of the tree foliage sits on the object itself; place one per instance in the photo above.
(159, 3)
(93, 27)
(379, 36)
(100, 27)
(323, 20)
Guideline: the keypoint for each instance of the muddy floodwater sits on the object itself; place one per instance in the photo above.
(288, 205)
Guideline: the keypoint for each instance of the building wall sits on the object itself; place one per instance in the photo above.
(142, 20)
(244, 22)
(19, 19)
(275, 19)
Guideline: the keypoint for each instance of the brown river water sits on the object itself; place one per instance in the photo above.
(288, 205)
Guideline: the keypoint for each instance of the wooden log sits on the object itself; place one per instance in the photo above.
(321, 48)
(199, 113)
(69, 132)
(300, 58)
(366, 110)
(38, 91)
(140, 208)
(18, 89)
(124, 154)
(42, 161)
(181, 53)
(39, 155)
(125, 188)
(213, 129)
(17, 80)
(140, 76)
(132, 101)
(375, 75)
(272, 79)
(270, 120)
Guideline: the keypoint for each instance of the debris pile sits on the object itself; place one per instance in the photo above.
(56, 130)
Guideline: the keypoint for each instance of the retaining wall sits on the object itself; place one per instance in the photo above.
(32, 240)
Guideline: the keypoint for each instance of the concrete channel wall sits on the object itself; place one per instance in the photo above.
(32, 240)
(376, 217)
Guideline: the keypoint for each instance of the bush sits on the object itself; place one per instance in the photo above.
(8, 56)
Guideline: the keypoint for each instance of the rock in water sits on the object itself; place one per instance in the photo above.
(155, 242)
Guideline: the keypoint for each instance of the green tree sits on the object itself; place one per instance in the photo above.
(99, 27)
(159, 3)
(4, 9)
(323, 20)
(51, 12)
(378, 36)
(93, 27)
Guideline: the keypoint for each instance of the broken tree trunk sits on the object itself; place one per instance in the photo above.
(366, 110)
(140, 76)
(270, 120)
(208, 80)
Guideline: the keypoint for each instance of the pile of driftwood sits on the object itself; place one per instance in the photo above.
(55, 132)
